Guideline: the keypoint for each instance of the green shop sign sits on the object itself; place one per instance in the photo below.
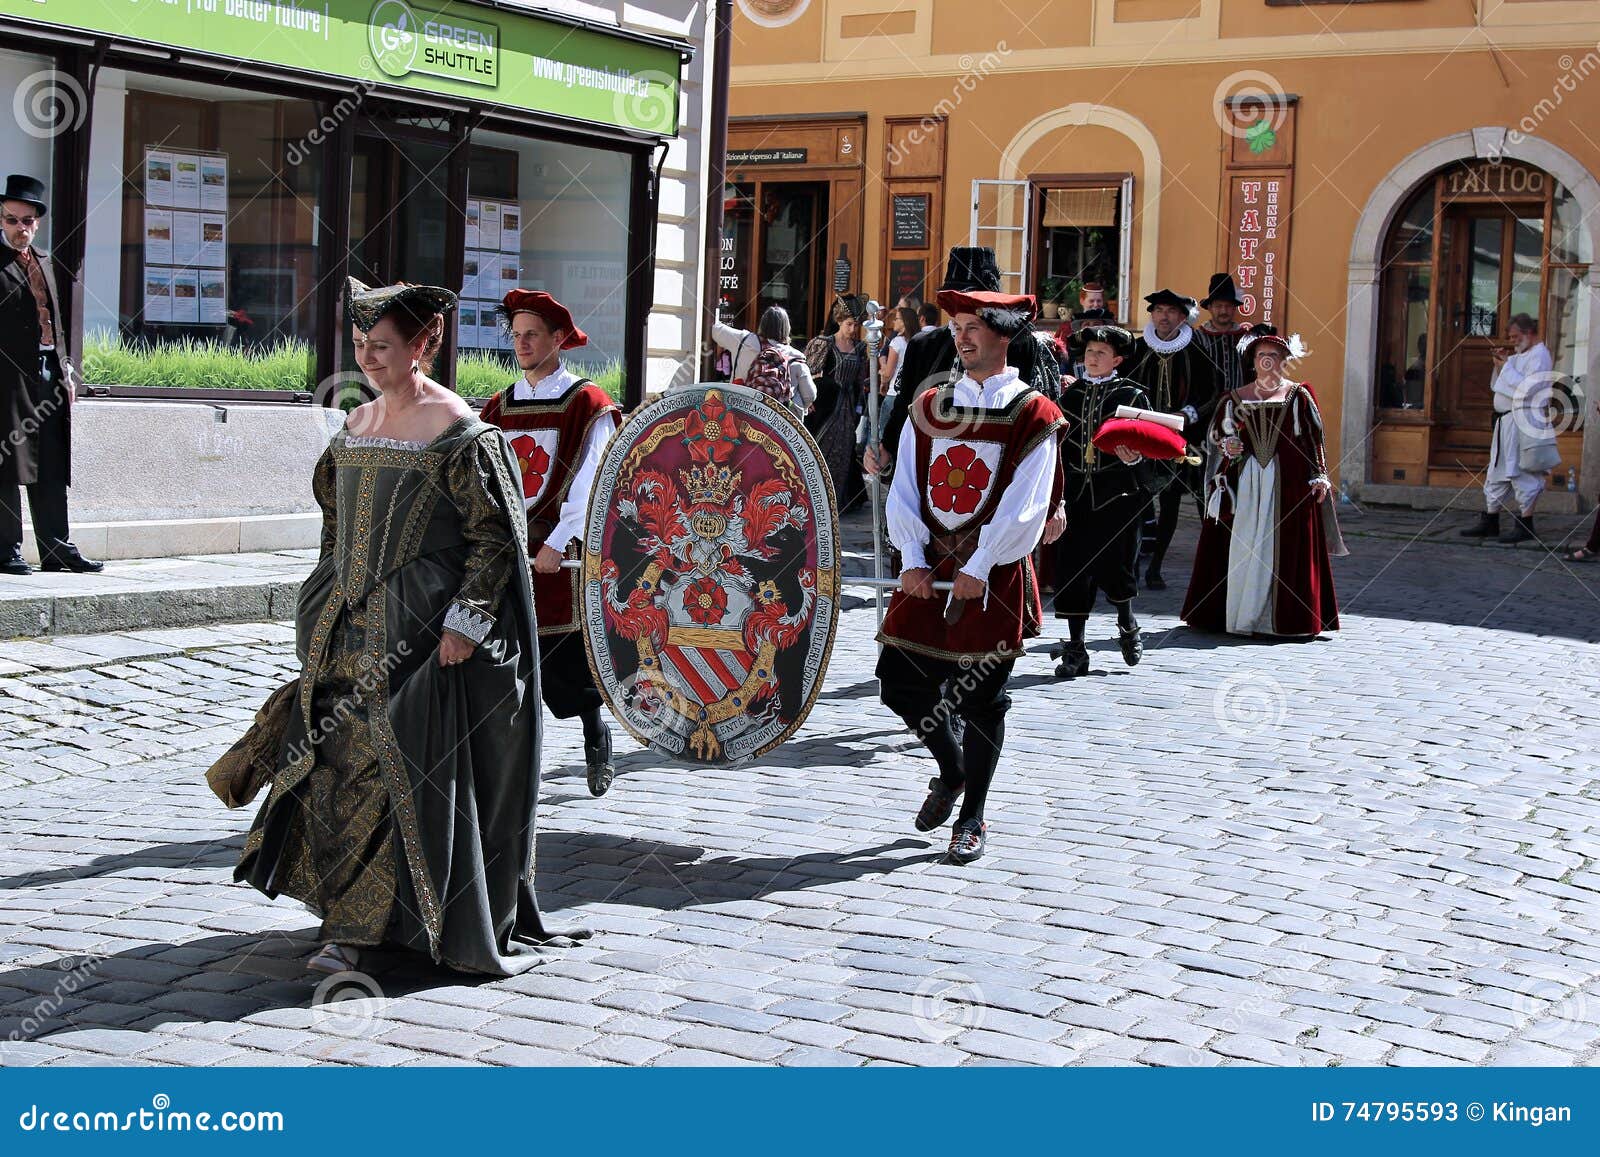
(455, 49)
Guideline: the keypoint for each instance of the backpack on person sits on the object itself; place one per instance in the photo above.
(769, 373)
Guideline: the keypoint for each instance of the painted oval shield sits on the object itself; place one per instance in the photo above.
(711, 574)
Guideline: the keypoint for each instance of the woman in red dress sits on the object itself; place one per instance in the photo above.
(1262, 567)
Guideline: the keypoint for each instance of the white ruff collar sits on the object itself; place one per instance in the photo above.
(1094, 381)
(1185, 335)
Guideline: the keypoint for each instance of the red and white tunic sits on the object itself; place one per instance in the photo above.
(973, 459)
(558, 430)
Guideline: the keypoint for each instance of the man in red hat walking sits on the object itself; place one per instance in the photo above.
(558, 425)
(972, 491)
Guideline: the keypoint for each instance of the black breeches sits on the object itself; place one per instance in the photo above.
(1098, 552)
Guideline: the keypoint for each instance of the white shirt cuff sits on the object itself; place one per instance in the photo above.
(913, 557)
(979, 565)
(562, 535)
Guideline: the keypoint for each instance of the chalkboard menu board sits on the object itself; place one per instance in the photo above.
(910, 228)
(907, 277)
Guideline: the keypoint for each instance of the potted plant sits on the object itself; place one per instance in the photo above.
(1050, 298)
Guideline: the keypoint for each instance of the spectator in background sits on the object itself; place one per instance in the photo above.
(838, 361)
(1522, 450)
(772, 331)
(1091, 311)
(907, 325)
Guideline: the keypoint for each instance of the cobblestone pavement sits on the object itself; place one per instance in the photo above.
(1376, 848)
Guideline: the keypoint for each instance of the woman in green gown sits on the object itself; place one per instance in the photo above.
(402, 805)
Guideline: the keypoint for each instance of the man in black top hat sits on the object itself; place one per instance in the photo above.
(36, 390)
(1180, 379)
(1105, 496)
(1219, 336)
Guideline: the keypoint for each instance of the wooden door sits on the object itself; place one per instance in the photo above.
(1491, 268)
(793, 249)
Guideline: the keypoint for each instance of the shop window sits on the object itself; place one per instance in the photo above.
(1407, 305)
(39, 101)
(1053, 235)
(205, 277)
(735, 300)
(551, 216)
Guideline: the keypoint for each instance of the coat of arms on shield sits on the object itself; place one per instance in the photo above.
(711, 574)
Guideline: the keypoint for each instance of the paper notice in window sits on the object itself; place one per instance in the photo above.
(185, 297)
(214, 184)
(510, 229)
(213, 241)
(489, 225)
(213, 297)
(471, 269)
(185, 181)
(158, 179)
(510, 274)
(474, 212)
(185, 239)
(467, 325)
(157, 236)
(157, 295)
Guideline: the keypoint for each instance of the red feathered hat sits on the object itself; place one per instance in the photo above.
(1008, 314)
(954, 301)
(555, 315)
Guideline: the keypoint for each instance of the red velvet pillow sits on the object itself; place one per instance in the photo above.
(1151, 439)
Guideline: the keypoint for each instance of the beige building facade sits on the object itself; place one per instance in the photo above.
(1393, 180)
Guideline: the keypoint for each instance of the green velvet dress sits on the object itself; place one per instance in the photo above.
(402, 809)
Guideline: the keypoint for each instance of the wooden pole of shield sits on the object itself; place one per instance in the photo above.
(878, 581)
(874, 329)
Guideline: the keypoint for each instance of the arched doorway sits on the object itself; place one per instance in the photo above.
(1477, 243)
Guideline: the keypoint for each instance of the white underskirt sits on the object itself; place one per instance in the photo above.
(1253, 549)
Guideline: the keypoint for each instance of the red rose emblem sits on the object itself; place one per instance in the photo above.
(534, 462)
(958, 479)
(711, 433)
(706, 602)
